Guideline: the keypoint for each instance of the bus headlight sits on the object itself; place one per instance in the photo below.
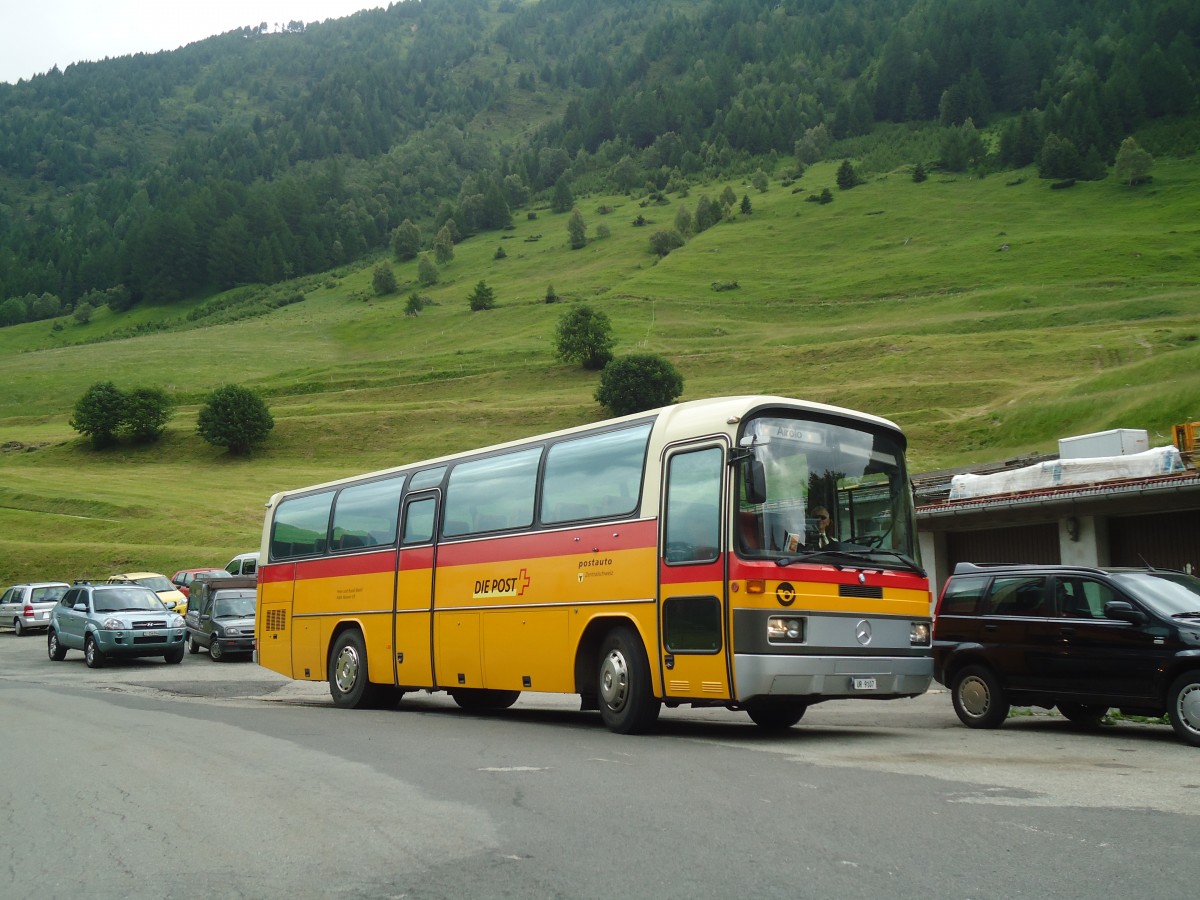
(918, 634)
(785, 630)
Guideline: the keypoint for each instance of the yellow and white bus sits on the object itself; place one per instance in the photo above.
(668, 557)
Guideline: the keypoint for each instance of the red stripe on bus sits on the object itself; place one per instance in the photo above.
(608, 538)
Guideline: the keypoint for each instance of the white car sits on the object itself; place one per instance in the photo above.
(243, 564)
(27, 606)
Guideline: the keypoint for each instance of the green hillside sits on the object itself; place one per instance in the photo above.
(896, 298)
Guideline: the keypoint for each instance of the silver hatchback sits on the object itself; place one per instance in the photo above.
(27, 606)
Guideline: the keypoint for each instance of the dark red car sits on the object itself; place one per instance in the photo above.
(184, 577)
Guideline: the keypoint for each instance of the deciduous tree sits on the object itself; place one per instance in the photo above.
(584, 335)
(235, 418)
(1133, 163)
(406, 241)
(383, 279)
(99, 413)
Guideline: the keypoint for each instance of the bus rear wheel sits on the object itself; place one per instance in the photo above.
(627, 704)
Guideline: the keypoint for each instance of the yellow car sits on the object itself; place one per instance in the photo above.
(160, 584)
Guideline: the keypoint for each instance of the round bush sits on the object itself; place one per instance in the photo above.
(638, 382)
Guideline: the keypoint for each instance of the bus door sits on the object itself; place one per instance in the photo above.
(414, 590)
(691, 575)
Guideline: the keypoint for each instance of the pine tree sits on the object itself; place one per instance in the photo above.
(483, 297)
(846, 176)
(576, 230)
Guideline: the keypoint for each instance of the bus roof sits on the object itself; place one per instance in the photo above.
(689, 417)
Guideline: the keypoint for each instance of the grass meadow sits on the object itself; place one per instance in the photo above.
(988, 317)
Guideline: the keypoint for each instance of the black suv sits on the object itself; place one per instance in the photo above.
(1081, 639)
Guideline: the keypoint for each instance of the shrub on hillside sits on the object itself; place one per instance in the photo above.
(147, 411)
(638, 382)
(235, 418)
(663, 242)
(383, 280)
(427, 271)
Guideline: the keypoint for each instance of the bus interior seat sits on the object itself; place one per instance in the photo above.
(750, 530)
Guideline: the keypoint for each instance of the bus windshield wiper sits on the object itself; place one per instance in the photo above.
(904, 558)
(852, 556)
(816, 555)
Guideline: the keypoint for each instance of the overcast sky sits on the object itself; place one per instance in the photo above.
(36, 35)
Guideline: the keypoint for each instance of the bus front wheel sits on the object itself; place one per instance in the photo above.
(627, 704)
(348, 683)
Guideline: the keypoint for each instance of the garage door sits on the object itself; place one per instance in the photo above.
(1169, 540)
(1029, 544)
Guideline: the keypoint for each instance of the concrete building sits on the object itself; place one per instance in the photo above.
(1118, 521)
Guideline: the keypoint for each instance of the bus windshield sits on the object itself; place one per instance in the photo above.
(829, 491)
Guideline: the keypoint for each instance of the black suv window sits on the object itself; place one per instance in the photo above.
(1082, 598)
(1019, 595)
(962, 595)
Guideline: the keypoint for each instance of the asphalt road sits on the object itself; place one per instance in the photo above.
(208, 779)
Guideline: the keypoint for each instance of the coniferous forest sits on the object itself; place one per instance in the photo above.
(283, 149)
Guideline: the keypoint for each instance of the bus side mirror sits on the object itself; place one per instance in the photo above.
(755, 476)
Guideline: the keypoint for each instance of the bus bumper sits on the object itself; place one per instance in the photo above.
(829, 677)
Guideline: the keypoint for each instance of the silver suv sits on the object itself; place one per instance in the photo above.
(114, 620)
(27, 606)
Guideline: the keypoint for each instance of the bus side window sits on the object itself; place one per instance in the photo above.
(693, 528)
(418, 521)
(299, 529)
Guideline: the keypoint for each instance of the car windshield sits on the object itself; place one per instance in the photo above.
(126, 600)
(233, 607)
(47, 594)
(1168, 593)
(831, 490)
(155, 582)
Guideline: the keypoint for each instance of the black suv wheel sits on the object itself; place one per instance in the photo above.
(1183, 707)
(979, 698)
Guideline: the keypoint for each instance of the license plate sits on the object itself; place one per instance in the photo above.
(864, 684)
(44, 615)
(159, 634)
